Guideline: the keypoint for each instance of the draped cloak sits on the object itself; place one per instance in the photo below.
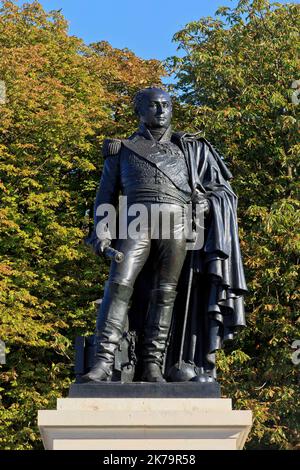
(216, 306)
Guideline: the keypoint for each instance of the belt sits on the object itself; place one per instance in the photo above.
(157, 192)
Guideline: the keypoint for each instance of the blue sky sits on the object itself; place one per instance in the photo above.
(145, 27)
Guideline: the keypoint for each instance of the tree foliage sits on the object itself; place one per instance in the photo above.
(234, 83)
(63, 98)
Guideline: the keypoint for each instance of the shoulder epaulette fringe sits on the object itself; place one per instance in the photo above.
(111, 147)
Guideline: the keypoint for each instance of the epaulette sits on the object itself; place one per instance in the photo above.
(111, 147)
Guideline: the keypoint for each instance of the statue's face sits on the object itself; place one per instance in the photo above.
(155, 109)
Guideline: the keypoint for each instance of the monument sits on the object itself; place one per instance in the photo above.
(165, 214)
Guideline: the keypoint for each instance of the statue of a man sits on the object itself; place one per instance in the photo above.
(156, 167)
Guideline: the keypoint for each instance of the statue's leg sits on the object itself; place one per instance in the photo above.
(156, 333)
(114, 307)
(170, 256)
(113, 312)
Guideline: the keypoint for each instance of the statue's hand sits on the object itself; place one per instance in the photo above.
(100, 245)
(108, 252)
(97, 245)
(202, 201)
(204, 206)
(105, 243)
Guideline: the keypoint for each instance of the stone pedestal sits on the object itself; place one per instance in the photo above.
(144, 423)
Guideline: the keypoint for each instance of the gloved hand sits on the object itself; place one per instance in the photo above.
(97, 245)
(105, 243)
(204, 206)
(201, 200)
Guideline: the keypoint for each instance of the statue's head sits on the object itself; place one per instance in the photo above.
(154, 107)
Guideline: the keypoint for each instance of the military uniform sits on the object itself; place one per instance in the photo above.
(150, 172)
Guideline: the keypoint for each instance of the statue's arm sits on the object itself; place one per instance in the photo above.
(106, 198)
(109, 186)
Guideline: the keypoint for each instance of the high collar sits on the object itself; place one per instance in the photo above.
(145, 132)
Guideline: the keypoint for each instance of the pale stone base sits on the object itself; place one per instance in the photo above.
(144, 423)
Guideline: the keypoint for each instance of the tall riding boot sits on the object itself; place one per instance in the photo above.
(112, 319)
(156, 333)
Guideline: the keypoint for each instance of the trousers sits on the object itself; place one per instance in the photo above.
(161, 235)
(165, 237)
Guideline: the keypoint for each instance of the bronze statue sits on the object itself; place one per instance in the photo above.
(182, 299)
